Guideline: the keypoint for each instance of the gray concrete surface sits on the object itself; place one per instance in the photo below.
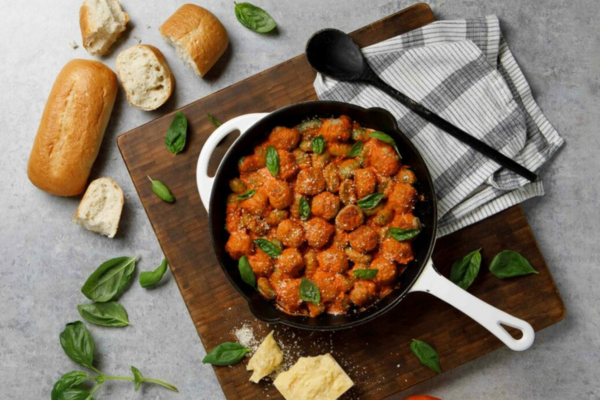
(45, 258)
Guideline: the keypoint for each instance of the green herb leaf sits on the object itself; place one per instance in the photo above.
(74, 394)
(272, 161)
(465, 270)
(270, 248)
(139, 378)
(369, 202)
(78, 344)
(246, 195)
(426, 355)
(110, 314)
(356, 150)
(384, 137)
(365, 273)
(68, 381)
(254, 18)
(226, 354)
(213, 120)
(162, 191)
(402, 234)
(246, 271)
(177, 133)
(109, 279)
(304, 209)
(318, 144)
(309, 291)
(508, 264)
(151, 278)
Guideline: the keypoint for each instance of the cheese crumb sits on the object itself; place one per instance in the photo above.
(138, 39)
(266, 359)
(73, 44)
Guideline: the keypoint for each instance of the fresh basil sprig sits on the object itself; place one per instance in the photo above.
(67, 386)
(273, 161)
(213, 120)
(365, 273)
(385, 138)
(162, 191)
(109, 279)
(401, 235)
(177, 133)
(151, 278)
(355, 150)
(270, 248)
(426, 355)
(246, 271)
(318, 144)
(465, 270)
(304, 208)
(226, 354)
(254, 18)
(309, 291)
(369, 202)
(509, 263)
(246, 195)
(110, 314)
(78, 344)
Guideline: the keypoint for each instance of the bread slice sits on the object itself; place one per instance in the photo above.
(101, 23)
(100, 208)
(197, 35)
(145, 76)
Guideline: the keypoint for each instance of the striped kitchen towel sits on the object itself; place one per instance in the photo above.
(464, 71)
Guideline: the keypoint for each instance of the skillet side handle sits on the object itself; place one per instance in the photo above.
(488, 316)
(205, 182)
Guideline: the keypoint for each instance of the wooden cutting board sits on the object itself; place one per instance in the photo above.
(377, 355)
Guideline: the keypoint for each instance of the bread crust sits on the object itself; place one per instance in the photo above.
(88, 30)
(72, 127)
(199, 33)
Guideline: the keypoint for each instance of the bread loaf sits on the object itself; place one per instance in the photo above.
(197, 35)
(101, 23)
(72, 127)
(101, 207)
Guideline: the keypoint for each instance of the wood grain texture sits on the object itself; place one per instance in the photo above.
(376, 355)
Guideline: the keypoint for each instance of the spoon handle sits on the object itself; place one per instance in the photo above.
(448, 127)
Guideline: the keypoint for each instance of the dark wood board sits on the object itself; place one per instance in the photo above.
(376, 355)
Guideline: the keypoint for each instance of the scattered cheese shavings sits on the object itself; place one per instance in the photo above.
(73, 44)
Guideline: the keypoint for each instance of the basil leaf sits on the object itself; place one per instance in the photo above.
(75, 394)
(213, 120)
(67, 381)
(508, 264)
(139, 378)
(426, 355)
(162, 191)
(226, 354)
(109, 279)
(177, 133)
(270, 248)
(272, 161)
(402, 234)
(246, 271)
(254, 18)
(385, 138)
(465, 270)
(365, 273)
(246, 195)
(110, 314)
(356, 150)
(369, 202)
(151, 278)
(318, 144)
(304, 209)
(309, 291)
(78, 344)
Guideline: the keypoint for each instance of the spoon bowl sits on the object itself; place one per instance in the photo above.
(334, 53)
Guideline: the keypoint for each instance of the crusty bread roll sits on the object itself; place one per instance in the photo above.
(72, 127)
(101, 23)
(145, 76)
(197, 35)
(100, 208)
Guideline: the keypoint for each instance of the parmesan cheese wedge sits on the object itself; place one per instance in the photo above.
(313, 378)
(267, 358)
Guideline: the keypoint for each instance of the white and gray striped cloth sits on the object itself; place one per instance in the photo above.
(464, 71)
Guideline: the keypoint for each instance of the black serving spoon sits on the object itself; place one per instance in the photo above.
(333, 53)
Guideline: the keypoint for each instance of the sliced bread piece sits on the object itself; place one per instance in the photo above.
(101, 206)
(101, 23)
(145, 76)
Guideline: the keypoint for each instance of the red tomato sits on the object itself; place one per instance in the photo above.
(422, 397)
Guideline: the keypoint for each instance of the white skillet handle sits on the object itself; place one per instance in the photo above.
(488, 316)
(205, 183)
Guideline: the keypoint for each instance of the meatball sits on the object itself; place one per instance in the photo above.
(256, 204)
(325, 205)
(349, 218)
(261, 263)
(348, 192)
(363, 293)
(365, 182)
(403, 197)
(406, 175)
(255, 224)
(250, 163)
(318, 232)
(287, 165)
(336, 129)
(288, 293)
(283, 138)
(327, 284)
(291, 262)
(280, 194)
(387, 271)
(333, 260)
(239, 244)
(275, 217)
(290, 233)
(406, 221)
(382, 157)
(340, 240)
(363, 238)
(400, 252)
(302, 159)
(310, 181)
